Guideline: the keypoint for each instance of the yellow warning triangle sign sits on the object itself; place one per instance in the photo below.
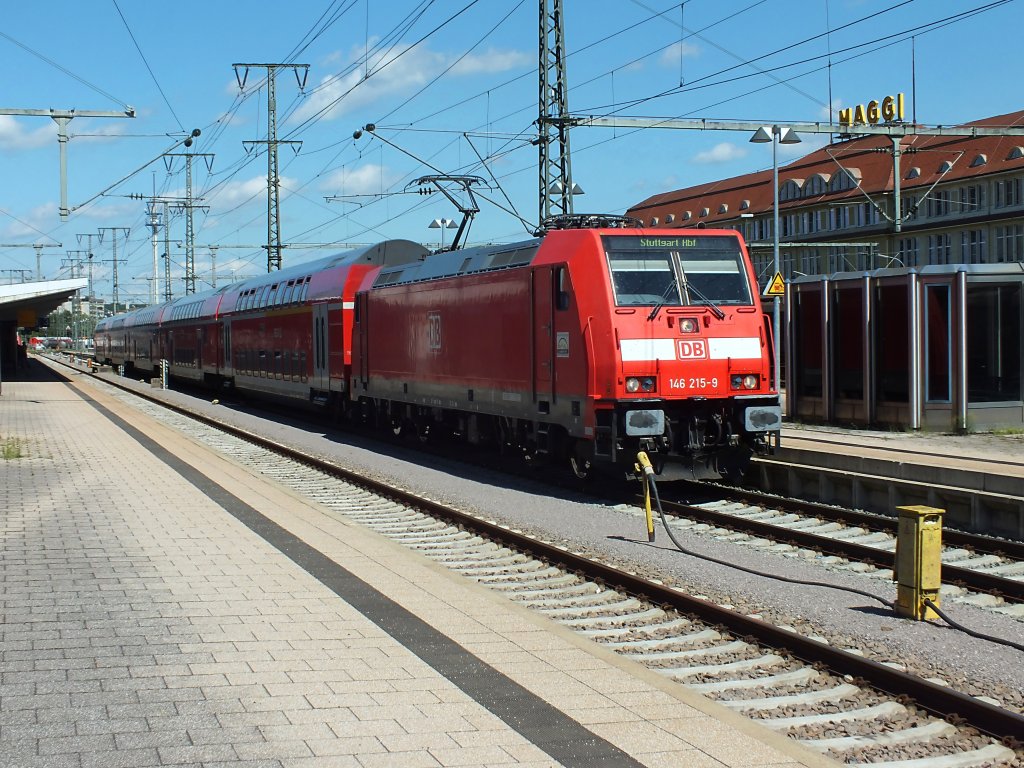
(777, 286)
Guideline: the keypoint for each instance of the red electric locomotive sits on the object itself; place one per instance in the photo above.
(585, 344)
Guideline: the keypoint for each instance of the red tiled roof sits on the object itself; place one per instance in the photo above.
(870, 155)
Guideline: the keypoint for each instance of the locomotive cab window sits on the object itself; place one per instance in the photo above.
(677, 271)
(562, 288)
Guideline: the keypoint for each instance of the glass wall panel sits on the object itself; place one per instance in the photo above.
(848, 342)
(993, 343)
(938, 343)
(892, 344)
(808, 329)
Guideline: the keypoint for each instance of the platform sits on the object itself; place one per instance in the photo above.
(164, 606)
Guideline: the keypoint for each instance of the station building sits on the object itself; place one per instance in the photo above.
(913, 320)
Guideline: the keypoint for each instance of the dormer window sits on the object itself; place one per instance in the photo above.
(847, 178)
(791, 189)
(816, 185)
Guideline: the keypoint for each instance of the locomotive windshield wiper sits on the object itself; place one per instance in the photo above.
(661, 301)
(691, 288)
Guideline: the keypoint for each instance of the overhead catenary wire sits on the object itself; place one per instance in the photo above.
(146, 62)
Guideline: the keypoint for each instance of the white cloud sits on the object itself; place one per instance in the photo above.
(368, 179)
(826, 114)
(95, 131)
(39, 219)
(236, 193)
(493, 60)
(399, 71)
(720, 153)
(14, 136)
(670, 56)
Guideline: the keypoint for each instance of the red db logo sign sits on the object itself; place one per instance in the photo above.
(695, 349)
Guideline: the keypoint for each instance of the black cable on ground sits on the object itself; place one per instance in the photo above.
(927, 601)
(971, 632)
(681, 548)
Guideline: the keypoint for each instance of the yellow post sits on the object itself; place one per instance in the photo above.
(645, 470)
(918, 561)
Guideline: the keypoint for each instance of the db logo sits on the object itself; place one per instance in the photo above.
(434, 330)
(693, 350)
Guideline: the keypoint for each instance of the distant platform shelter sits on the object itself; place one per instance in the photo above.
(934, 348)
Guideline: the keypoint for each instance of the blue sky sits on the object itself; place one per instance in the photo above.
(436, 70)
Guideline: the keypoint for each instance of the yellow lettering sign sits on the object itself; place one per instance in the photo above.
(889, 109)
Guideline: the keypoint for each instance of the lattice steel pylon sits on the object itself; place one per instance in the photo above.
(556, 187)
(273, 177)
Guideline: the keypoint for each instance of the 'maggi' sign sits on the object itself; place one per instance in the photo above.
(887, 110)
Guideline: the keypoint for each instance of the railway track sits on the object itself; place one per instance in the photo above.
(838, 702)
(981, 570)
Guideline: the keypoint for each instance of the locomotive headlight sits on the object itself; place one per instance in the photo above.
(688, 325)
(648, 384)
(741, 381)
(632, 384)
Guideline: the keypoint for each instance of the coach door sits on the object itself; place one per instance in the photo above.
(543, 336)
(321, 356)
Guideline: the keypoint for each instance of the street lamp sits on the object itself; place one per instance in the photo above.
(776, 135)
(443, 224)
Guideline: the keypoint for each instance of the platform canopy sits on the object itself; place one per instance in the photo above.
(25, 303)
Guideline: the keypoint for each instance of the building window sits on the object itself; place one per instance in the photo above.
(908, 252)
(938, 203)
(908, 208)
(1008, 193)
(972, 246)
(1010, 243)
(939, 250)
(816, 185)
(790, 190)
(871, 215)
(972, 198)
(847, 178)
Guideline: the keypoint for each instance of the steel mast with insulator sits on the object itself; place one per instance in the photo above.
(556, 188)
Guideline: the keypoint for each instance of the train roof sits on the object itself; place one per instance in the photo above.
(386, 252)
(460, 262)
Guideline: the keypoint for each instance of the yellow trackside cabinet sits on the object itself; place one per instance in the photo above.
(918, 561)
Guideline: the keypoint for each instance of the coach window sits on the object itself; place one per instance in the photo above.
(562, 288)
(304, 290)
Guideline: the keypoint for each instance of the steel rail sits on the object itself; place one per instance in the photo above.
(974, 541)
(978, 581)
